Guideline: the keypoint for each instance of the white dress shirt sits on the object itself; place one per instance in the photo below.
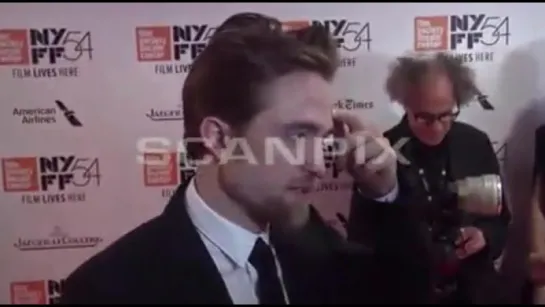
(230, 246)
(390, 197)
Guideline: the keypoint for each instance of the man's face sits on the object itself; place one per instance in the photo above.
(285, 142)
(431, 109)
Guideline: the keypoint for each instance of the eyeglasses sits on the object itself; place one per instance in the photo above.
(430, 118)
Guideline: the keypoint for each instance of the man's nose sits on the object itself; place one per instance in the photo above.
(316, 166)
(436, 126)
(317, 170)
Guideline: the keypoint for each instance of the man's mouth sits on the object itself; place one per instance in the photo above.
(304, 189)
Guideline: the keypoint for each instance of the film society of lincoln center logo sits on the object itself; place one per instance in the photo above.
(50, 179)
(167, 170)
(351, 36)
(471, 36)
(57, 239)
(36, 292)
(44, 52)
(174, 46)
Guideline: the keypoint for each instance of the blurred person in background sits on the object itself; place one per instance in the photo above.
(534, 290)
(240, 230)
(439, 149)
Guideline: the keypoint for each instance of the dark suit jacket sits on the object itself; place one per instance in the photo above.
(471, 154)
(164, 261)
(539, 155)
(527, 293)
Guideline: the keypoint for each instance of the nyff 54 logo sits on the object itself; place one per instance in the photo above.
(179, 45)
(351, 36)
(470, 36)
(49, 179)
(167, 170)
(44, 50)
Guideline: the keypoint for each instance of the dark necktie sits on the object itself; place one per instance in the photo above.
(269, 288)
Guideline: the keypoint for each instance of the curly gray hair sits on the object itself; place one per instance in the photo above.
(410, 71)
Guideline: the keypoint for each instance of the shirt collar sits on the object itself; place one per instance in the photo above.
(234, 241)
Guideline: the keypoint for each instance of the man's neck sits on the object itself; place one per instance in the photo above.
(209, 189)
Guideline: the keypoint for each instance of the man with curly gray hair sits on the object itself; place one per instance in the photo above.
(432, 90)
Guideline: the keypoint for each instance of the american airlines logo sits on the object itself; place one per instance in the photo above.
(70, 115)
(47, 115)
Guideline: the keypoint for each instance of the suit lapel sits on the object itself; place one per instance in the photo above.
(290, 267)
(192, 276)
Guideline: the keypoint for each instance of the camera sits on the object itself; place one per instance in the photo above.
(481, 195)
(444, 220)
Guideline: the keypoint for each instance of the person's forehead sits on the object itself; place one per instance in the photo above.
(432, 95)
(300, 96)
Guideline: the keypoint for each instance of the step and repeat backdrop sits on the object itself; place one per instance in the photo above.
(84, 88)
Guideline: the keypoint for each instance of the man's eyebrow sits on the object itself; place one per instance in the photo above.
(435, 113)
(302, 125)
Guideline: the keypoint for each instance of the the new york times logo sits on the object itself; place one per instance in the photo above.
(352, 104)
(53, 46)
(58, 239)
(166, 114)
(175, 44)
(32, 116)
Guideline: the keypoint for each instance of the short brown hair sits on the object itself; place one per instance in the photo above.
(410, 71)
(247, 51)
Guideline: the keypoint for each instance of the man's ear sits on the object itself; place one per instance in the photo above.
(215, 133)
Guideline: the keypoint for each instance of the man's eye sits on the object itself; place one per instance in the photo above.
(299, 134)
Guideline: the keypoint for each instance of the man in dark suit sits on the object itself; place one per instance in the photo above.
(437, 150)
(239, 231)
